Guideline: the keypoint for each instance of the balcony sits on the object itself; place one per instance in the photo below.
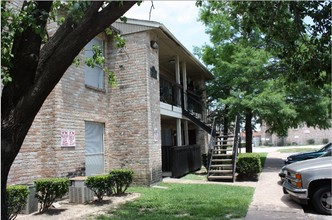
(172, 94)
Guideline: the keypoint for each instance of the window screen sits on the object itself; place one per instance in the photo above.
(94, 148)
(94, 76)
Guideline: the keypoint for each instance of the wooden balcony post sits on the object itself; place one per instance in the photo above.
(186, 132)
(178, 79)
(178, 132)
(185, 85)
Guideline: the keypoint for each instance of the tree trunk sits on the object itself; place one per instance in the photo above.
(36, 71)
(248, 129)
(226, 120)
(5, 167)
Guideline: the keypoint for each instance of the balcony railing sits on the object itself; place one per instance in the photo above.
(195, 102)
(172, 94)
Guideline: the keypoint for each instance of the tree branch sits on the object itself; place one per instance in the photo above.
(54, 58)
(26, 48)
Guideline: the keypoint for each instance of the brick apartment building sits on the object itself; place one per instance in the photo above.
(148, 122)
(302, 135)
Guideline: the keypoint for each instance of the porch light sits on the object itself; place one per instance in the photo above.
(172, 61)
(154, 44)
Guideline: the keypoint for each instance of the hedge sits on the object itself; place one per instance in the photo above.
(122, 178)
(248, 165)
(100, 185)
(16, 198)
(50, 189)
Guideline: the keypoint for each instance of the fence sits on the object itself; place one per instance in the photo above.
(181, 160)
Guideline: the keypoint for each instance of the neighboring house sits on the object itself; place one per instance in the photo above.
(146, 123)
(302, 135)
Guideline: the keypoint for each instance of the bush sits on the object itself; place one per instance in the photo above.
(49, 189)
(311, 141)
(248, 165)
(100, 185)
(16, 198)
(325, 140)
(122, 179)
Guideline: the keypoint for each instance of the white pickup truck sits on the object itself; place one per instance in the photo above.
(310, 181)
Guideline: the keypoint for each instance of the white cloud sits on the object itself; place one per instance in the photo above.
(180, 17)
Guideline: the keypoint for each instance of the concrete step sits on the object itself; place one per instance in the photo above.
(221, 165)
(221, 160)
(220, 171)
(220, 177)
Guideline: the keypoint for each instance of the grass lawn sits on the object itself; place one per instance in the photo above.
(296, 150)
(186, 201)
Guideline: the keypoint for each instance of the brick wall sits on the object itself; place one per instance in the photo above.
(302, 135)
(134, 110)
(299, 136)
(130, 113)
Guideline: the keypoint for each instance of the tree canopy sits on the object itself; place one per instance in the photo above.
(299, 33)
(270, 63)
(33, 60)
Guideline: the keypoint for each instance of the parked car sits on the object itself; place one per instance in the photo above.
(308, 155)
(282, 172)
(310, 181)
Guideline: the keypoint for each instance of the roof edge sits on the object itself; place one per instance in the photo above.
(159, 25)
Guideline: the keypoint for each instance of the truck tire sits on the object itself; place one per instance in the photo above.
(321, 200)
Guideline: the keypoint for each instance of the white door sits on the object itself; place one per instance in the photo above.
(94, 148)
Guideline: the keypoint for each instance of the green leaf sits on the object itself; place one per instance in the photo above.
(123, 19)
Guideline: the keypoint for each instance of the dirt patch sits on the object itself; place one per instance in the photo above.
(72, 211)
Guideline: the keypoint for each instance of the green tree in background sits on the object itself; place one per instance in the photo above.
(298, 33)
(262, 64)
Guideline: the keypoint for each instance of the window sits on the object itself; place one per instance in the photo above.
(94, 148)
(94, 77)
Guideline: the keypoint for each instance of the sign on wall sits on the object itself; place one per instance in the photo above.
(155, 135)
(153, 72)
(68, 138)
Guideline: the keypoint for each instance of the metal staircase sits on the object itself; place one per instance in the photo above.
(199, 123)
(222, 156)
(222, 150)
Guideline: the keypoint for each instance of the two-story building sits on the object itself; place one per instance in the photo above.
(152, 121)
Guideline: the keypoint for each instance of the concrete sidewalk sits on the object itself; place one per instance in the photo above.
(269, 201)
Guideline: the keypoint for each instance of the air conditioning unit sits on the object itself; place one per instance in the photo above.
(31, 202)
(79, 192)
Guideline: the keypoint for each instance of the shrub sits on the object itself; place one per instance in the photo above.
(325, 140)
(122, 179)
(248, 165)
(100, 185)
(49, 189)
(16, 197)
(311, 141)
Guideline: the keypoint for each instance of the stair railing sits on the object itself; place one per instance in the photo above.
(211, 145)
(235, 144)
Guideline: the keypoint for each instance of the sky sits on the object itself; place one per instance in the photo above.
(179, 17)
